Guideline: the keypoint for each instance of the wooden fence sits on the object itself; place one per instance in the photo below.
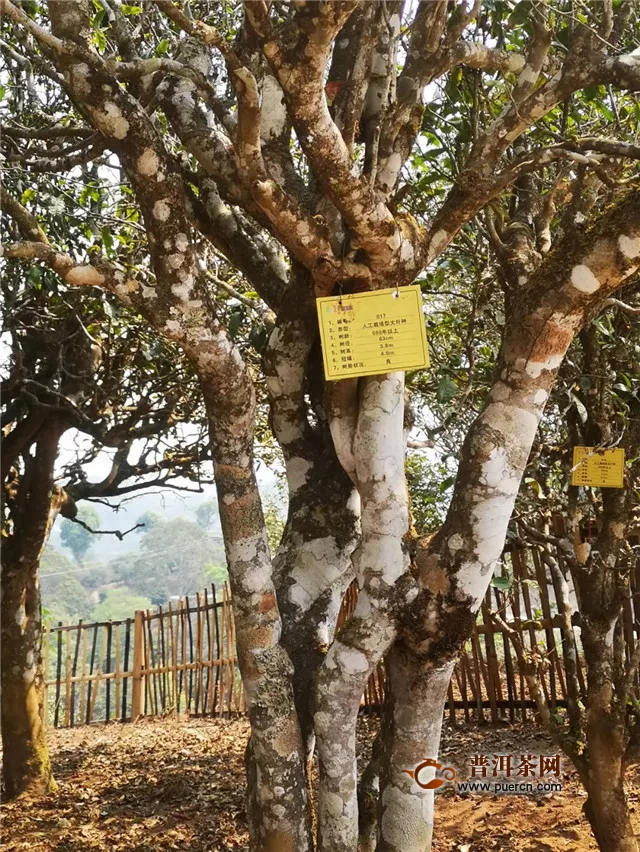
(181, 658)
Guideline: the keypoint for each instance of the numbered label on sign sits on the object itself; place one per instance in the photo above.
(365, 334)
(599, 468)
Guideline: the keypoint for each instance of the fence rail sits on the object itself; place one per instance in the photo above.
(182, 657)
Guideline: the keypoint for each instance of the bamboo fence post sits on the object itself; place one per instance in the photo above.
(58, 673)
(90, 689)
(198, 659)
(74, 671)
(152, 669)
(138, 656)
(565, 636)
(147, 666)
(550, 639)
(125, 680)
(533, 633)
(206, 695)
(174, 659)
(230, 649)
(224, 622)
(117, 670)
(184, 674)
(83, 674)
(107, 671)
(452, 704)
(163, 659)
(189, 672)
(180, 647)
(98, 677)
(461, 677)
(508, 667)
(515, 604)
(67, 678)
(477, 653)
(222, 651)
(476, 682)
(560, 530)
(217, 648)
(495, 691)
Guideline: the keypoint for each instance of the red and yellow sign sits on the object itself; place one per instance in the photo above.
(366, 334)
(599, 468)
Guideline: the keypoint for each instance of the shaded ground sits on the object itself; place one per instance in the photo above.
(167, 784)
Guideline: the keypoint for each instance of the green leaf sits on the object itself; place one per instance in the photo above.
(447, 389)
(34, 276)
(534, 485)
(162, 47)
(502, 583)
(520, 14)
(107, 240)
(100, 39)
(446, 484)
(604, 110)
(27, 195)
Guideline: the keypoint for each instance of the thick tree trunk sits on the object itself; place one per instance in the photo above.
(606, 735)
(418, 694)
(313, 565)
(26, 765)
(379, 471)
(606, 807)
(313, 569)
(277, 793)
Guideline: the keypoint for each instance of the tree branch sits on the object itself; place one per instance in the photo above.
(118, 534)
(320, 138)
(617, 303)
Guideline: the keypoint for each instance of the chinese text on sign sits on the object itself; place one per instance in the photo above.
(600, 468)
(365, 334)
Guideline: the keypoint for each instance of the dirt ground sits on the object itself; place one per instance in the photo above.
(169, 784)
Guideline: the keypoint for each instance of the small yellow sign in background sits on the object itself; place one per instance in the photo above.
(365, 334)
(601, 468)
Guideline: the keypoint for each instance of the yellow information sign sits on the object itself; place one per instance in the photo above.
(601, 468)
(365, 334)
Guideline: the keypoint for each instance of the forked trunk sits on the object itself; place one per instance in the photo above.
(379, 462)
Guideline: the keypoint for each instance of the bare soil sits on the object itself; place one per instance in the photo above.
(178, 784)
